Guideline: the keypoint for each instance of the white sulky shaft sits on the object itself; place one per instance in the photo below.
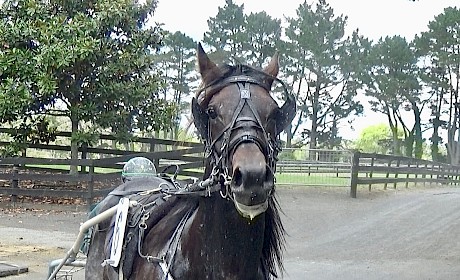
(72, 253)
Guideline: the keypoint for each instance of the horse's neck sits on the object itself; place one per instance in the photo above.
(228, 244)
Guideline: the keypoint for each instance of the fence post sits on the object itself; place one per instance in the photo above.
(156, 161)
(89, 199)
(408, 174)
(387, 175)
(84, 155)
(431, 175)
(416, 175)
(456, 176)
(15, 183)
(354, 173)
(398, 162)
(424, 174)
(371, 173)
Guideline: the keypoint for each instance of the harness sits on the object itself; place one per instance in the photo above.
(249, 129)
(151, 205)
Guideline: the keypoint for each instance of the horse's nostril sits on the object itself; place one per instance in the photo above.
(237, 177)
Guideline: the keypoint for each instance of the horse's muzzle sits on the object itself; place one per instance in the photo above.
(252, 181)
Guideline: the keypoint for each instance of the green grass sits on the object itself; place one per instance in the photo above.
(303, 178)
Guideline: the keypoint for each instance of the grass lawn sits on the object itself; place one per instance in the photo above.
(323, 179)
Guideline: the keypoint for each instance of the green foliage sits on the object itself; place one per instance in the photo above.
(375, 139)
(242, 38)
(226, 31)
(392, 81)
(175, 65)
(440, 47)
(12, 150)
(32, 130)
(87, 60)
(319, 73)
(287, 155)
(82, 138)
(262, 37)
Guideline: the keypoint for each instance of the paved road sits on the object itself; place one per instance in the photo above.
(408, 234)
(403, 234)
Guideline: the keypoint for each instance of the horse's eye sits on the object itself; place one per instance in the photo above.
(211, 113)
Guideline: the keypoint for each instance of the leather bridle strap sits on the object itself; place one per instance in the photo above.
(265, 145)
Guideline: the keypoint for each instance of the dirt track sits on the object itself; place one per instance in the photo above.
(403, 234)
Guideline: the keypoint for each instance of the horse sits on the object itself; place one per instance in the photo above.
(226, 226)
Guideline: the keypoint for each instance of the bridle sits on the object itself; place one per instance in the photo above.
(253, 131)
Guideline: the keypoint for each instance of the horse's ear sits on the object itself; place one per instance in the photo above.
(285, 114)
(200, 118)
(272, 68)
(208, 69)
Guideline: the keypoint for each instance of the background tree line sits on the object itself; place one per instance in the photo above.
(105, 67)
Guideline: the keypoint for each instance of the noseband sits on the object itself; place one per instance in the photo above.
(268, 144)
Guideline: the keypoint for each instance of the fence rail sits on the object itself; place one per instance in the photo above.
(376, 169)
(314, 167)
(85, 184)
(99, 168)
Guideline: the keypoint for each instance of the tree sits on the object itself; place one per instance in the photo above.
(176, 64)
(393, 84)
(441, 45)
(225, 32)
(376, 139)
(247, 39)
(317, 70)
(261, 37)
(250, 39)
(435, 83)
(87, 60)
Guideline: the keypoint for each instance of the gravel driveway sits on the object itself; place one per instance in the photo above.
(394, 234)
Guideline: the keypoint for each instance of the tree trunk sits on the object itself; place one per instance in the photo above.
(393, 146)
(74, 144)
(418, 138)
(452, 144)
(289, 136)
(314, 121)
(435, 139)
(409, 144)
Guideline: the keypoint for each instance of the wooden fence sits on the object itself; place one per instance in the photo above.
(97, 175)
(371, 169)
(100, 168)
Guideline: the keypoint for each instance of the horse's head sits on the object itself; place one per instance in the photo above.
(240, 123)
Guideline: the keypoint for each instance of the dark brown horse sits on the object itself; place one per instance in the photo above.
(227, 226)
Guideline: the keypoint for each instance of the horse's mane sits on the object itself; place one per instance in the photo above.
(274, 240)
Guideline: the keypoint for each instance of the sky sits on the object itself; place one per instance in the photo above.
(374, 19)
